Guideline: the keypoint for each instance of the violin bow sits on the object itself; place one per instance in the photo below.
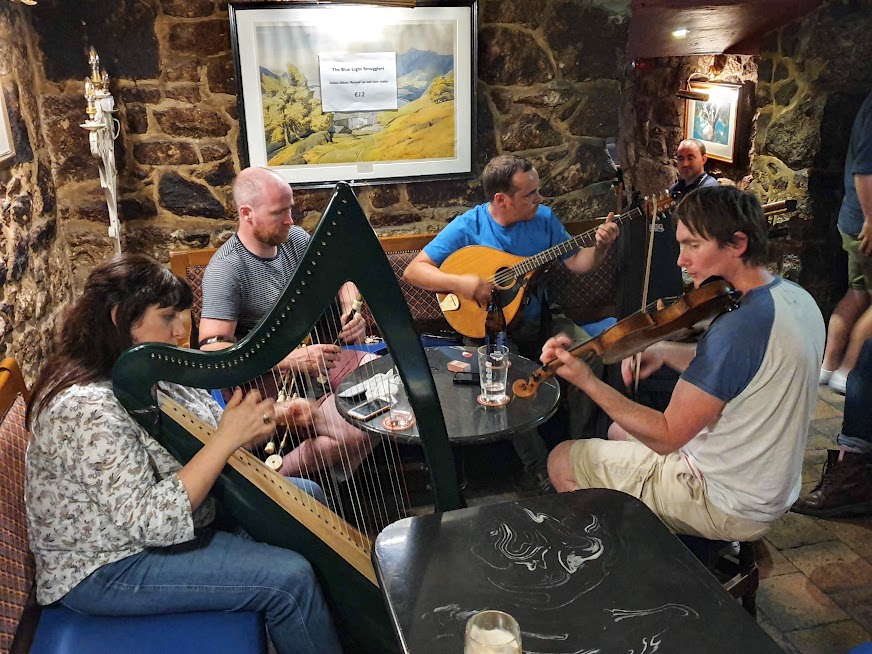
(651, 206)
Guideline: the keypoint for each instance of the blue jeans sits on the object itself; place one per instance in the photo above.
(857, 423)
(309, 487)
(217, 571)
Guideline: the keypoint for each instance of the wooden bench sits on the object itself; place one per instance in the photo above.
(584, 298)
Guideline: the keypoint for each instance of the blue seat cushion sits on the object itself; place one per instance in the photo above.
(62, 631)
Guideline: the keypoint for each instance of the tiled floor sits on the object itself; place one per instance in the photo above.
(815, 592)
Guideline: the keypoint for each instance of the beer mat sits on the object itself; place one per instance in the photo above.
(387, 423)
(485, 402)
(439, 357)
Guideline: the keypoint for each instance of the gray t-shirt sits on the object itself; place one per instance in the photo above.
(244, 287)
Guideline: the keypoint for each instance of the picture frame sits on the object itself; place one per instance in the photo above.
(7, 145)
(359, 93)
(714, 121)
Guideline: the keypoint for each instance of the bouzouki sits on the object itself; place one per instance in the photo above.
(509, 273)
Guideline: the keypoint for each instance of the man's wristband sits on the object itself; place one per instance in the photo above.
(217, 339)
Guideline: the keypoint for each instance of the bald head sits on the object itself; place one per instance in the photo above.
(252, 184)
(263, 202)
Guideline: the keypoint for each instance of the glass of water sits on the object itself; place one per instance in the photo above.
(492, 632)
(493, 370)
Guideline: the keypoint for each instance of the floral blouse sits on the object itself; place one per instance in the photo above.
(98, 488)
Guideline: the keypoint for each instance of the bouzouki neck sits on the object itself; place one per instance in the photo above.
(583, 240)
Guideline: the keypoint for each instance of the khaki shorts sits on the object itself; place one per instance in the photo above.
(664, 483)
(859, 265)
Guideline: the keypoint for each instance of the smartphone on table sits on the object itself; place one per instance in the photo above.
(369, 409)
(470, 378)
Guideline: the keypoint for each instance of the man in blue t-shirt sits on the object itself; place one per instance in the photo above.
(514, 221)
(851, 322)
(724, 460)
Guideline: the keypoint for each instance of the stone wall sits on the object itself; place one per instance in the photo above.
(549, 87)
(813, 75)
(652, 118)
(34, 268)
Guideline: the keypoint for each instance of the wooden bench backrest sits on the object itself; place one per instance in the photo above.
(190, 265)
(582, 297)
(16, 562)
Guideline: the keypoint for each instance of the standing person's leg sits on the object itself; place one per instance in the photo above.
(847, 311)
(858, 331)
(217, 571)
(857, 424)
(846, 484)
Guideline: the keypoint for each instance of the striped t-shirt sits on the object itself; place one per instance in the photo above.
(244, 287)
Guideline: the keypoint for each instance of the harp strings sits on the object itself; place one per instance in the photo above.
(367, 488)
(343, 463)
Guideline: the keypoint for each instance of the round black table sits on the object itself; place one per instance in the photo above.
(466, 421)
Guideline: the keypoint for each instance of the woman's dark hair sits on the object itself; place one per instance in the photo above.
(718, 212)
(90, 342)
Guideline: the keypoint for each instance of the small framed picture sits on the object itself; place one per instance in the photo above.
(714, 121)
(7, 147)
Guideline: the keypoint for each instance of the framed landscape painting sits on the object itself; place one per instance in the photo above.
(357, 93)
(714, 121)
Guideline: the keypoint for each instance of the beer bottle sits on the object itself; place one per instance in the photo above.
(495, 322)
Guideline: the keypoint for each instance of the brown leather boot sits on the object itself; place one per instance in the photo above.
(845, 488)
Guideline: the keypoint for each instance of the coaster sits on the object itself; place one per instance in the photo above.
(387, 423)
(484, 402)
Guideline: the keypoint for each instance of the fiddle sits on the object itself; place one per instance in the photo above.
(637, 331)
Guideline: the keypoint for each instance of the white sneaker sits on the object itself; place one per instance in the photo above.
(825, 376)
(838, 382)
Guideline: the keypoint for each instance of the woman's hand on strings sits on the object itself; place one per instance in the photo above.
(651, 360)
(311, 359)
(246, 419)
(573, 370)
(607, 233)
(353, 330)
(301, 415)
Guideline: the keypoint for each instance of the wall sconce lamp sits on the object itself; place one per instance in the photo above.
(689, 94)
(103, 129)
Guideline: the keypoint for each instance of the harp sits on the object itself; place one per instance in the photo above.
(343, 247)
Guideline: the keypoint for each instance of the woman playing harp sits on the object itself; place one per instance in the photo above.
(117, 526)
(242, 283)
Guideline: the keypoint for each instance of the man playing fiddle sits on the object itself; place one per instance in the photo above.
(724, 460)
